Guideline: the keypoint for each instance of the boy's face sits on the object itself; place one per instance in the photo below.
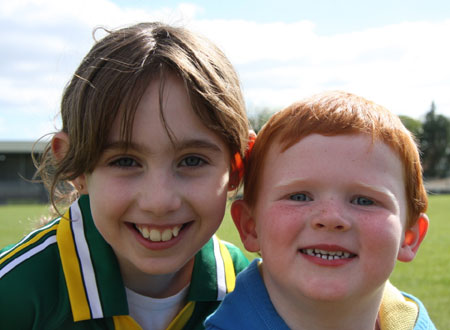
(158, 203)
(329, 217)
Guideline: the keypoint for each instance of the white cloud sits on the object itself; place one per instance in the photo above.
(402, 66)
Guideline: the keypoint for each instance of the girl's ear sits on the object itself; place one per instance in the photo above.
(413, 238)
(245, 224)
(60, 147)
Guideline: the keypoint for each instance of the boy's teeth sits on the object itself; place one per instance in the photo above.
(156, 235)
(327, 255)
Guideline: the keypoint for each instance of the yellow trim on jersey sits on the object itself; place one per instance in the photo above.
(125, 322)
(183, 317)
(19, 248)
(397, 311)
(72, 271)
(230, 276)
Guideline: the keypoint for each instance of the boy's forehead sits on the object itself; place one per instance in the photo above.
(323, 151)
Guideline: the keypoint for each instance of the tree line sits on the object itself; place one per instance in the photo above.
(432, 134)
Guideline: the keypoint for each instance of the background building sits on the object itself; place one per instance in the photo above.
(17, 170)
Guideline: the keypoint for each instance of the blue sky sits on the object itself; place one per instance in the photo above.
(393, 52)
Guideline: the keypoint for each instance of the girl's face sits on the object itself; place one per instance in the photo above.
(158, 202)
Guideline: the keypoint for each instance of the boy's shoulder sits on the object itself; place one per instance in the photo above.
(423, 321)
(248, 306)
(402, 310)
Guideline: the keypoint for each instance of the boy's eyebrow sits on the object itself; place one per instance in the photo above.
(381, 190)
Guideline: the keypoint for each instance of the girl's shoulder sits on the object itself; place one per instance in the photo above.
(31, 279)
(28, 249)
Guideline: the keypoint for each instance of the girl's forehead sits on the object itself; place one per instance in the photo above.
(163, 115)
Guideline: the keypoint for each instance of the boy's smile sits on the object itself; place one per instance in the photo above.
(160, 200)
(329, 217)
(327, 255)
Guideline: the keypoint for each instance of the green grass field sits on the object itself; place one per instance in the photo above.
(427, 277)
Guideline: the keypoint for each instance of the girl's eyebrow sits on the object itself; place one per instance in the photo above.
(178, 145)
(197, 144)
(121, 145)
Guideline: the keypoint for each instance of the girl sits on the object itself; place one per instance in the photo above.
(153, 131)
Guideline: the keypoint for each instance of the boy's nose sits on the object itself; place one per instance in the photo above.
(159, 195)
(330, 218)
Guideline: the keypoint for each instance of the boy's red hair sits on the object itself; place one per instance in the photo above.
(338, 113)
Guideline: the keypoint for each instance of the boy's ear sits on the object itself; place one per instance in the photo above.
(60, 147)
(245, 224)
(413, 238)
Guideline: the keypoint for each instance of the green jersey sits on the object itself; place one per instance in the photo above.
(66, 276)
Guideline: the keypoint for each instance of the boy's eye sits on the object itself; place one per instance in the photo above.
(364, 201)
(192, 161)
(124, 162)
(300, 197)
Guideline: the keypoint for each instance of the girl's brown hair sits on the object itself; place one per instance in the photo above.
(111, 80)
(337, 113)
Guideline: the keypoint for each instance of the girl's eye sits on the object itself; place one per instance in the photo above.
(192, 161)
(124, 162)
(300, 197)
(363, 201)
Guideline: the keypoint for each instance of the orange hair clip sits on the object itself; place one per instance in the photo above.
(239, 163)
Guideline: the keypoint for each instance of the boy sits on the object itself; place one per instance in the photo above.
(333, 196)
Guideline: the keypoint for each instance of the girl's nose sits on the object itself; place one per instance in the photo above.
(159, 194)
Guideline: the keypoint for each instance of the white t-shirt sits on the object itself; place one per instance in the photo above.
(155, 313)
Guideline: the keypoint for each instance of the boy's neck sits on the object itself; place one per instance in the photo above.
(332, 315)
(300, 314)
(157, 286)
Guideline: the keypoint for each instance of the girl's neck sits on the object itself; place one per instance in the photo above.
(157, 286)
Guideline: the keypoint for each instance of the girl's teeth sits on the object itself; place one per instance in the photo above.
(166, 235)
(156, 235)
